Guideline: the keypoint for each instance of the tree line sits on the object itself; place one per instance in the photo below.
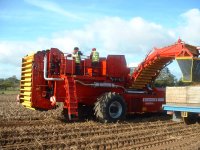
(166, 78)
(11, 83)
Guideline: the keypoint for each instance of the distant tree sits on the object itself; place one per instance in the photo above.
(11, 82)
(13, 79)
(165, 78)
(7, 84)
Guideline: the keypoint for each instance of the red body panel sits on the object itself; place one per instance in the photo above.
(116, 66)
(40, 88)
(147, 102)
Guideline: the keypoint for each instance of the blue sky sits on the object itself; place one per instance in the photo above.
(30, 19)
(129, 27)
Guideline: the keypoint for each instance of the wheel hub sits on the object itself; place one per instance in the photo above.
(115, 109)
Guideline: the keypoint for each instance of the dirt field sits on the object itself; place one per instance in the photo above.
(22, 128)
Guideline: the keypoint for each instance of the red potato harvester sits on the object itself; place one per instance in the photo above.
(48, 77)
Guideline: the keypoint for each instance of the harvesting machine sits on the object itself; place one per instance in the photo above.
(48, 77)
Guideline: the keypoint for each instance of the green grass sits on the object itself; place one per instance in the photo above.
(9, 92)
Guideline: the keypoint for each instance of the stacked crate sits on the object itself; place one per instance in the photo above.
(183, 95)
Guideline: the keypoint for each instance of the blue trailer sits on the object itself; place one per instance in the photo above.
(183, 103)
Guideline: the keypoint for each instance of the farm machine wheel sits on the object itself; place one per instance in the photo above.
(110, 107)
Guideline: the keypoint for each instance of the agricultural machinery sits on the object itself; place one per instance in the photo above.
(109, 91)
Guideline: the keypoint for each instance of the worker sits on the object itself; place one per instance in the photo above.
(77, 56)
(95, 60)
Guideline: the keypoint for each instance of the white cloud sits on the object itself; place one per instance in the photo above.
(133, 64)
(115, 35)
(189, 30)
(111, 35)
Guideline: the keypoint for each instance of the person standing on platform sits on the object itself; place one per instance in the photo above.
(95, 61)
(77, 57)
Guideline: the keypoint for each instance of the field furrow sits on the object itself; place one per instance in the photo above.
(21, 128)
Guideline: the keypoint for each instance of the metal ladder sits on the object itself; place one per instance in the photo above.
(71, 102)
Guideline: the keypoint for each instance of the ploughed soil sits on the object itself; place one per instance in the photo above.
(21, 128)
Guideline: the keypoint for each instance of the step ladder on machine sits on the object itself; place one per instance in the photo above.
(71, 102)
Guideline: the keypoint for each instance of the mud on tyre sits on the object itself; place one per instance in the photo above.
(110, 107)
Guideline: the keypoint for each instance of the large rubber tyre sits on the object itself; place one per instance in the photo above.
(110, 107)
(191, 119)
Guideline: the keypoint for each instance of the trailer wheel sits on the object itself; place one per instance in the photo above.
(110, 107)
(191, 119)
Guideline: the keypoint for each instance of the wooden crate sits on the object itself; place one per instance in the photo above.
(175, 95)
(184, 95)
(193, 94)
